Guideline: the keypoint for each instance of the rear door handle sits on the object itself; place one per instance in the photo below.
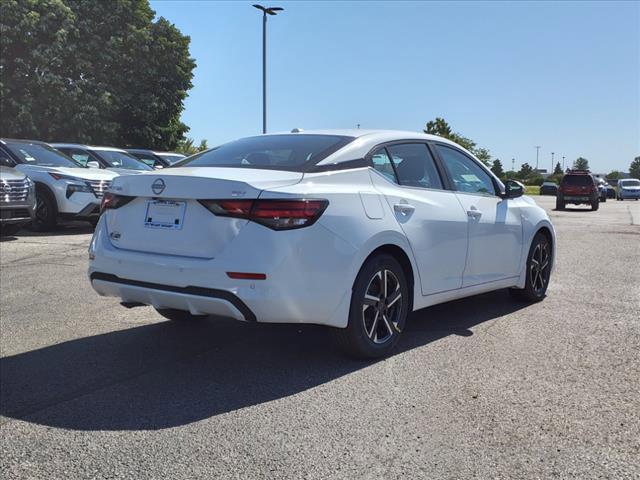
(404, 208)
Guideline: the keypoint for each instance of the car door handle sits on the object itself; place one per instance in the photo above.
(474, 213)
(404, 208)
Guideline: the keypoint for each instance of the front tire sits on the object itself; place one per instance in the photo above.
(539, 264)
(379, 309)
(46, 211)
(179, 315)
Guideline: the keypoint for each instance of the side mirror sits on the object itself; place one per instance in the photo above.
(93, 164)
(513, 189)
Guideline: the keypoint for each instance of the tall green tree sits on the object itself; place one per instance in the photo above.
(581, 164)
(188, 147)
(634, 168)
(614, 175)
(497, 169)
(558, 169)
(440, 127)
(483, 155)
(92, 72)
(526, 171)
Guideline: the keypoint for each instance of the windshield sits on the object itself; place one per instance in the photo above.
(42, 155)
(117, 159)
(630, 183)
(278, 152)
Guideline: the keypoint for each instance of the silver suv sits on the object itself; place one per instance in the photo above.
(17, 200)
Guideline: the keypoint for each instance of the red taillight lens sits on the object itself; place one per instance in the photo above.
(111, 201)
(275, 214)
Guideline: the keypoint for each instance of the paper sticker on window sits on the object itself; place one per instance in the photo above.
(470, 177)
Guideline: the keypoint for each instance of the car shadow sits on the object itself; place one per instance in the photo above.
(168, 374)
(71, 228)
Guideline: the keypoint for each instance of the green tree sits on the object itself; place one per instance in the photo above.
(558, 169)
(614, 175)
(483, 155)
(581, 164)
(188, 147)
(634, 168)
(526, 171)
(496, 168)
(68, 74)
(440, 127)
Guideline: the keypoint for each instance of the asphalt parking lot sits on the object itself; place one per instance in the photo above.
(480, 388)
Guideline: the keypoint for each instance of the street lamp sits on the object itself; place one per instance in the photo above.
(552, 165)
(537, 147)
(563, 163)
(265, 11)
(513, 164)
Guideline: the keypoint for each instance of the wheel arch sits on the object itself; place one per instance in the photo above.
(403, 259)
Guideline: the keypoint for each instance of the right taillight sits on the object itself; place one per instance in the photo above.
(285, 214)
(111, 201)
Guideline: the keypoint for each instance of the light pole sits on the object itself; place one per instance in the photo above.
(265, 11)
(538, 147)
(552, 165)
(563, 164)
(513, 164)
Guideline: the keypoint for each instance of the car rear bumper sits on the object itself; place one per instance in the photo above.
(197, 300)
(308, 276)
(630, 195)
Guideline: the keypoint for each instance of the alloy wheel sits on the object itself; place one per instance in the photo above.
(540, 267)
(42, 211)
(382, 307)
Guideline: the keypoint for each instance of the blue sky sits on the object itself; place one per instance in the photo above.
(563, 75)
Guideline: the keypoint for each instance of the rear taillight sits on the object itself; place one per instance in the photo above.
(112, 201)
(273, 213)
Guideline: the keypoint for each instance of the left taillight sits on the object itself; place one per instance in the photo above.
(277, 214)
(112, 201)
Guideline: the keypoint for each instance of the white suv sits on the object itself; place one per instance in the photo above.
(64, 188)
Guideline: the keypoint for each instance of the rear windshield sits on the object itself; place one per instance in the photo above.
(42, 155)
(280, 152)
(629, 183)
(578, 180)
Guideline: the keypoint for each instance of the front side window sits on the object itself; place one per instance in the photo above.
(415, 166)
(42, 155)
(467, 175)
(293, 152)
(382, 163)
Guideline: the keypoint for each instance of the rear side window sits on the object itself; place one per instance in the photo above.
(577, 180)
(294, 152)
(415, 165)
(382, 163)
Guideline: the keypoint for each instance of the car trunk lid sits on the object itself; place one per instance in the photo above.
(165, 216)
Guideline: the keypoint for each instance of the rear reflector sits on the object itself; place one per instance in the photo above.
(246, 276)
(277, 214)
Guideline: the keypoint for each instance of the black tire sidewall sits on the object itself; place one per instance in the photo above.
(529, 291)
(355, 328)
(52, 208)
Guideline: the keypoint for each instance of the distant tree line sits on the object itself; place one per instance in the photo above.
(98, 72)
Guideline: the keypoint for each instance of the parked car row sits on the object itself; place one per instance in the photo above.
(42, 183)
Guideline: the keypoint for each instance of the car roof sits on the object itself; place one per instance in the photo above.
(88, 147)
(23, 140)
(174, 154)
(365, 140)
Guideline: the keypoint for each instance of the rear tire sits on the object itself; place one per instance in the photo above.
(46, 211)
(539, 263)
(595, 205)
(559, 204)
(179, 315)
(379, 309)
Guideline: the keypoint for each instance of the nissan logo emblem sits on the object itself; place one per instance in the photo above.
(158, 186)
(6, 188)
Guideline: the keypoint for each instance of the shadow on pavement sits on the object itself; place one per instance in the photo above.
(169, 374)
(67, 228)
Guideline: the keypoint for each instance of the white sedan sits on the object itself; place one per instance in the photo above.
(350, 229)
